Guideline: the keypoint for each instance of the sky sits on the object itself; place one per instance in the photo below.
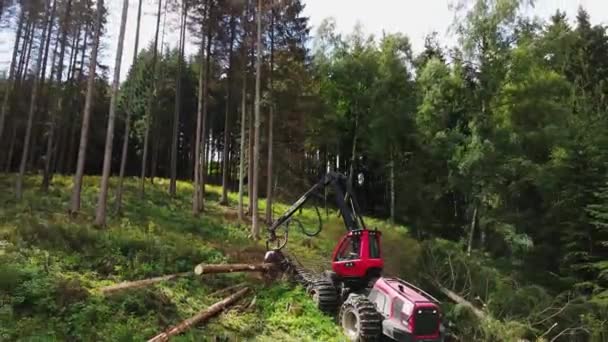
(415, 18)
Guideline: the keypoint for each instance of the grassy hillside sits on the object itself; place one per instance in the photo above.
(51, 266)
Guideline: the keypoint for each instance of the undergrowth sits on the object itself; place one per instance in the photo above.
(52, 265)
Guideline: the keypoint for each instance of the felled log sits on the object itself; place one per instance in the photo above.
(229, 268)
(128, 285)
(200, 317)
(460, 300)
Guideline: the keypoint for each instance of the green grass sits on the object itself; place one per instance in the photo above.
(51, 266)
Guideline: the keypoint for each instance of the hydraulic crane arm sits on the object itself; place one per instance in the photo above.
(345, 200)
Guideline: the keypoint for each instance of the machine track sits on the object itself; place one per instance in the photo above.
(318, 286)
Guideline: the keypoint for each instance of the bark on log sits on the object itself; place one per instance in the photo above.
(200, 317)
(229, 268)
(459, 300)
(128, 285)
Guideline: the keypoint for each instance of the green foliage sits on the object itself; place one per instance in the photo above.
(51, 266)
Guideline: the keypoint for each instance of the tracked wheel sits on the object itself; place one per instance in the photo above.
(360, 320)
(324, 295)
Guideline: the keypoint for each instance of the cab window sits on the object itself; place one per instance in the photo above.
(349, 249)
(374, 247)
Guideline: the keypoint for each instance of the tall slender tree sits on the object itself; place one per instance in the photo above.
(255, 227)
(11, 74)
(57, 106)
(33, 103)
(242, 151)
(86, 116)
(225, 153)
(207, 66)
(100, 214)
(148, 115)
(269, 178)
(178, 101)
(196, 205)
(125, 141)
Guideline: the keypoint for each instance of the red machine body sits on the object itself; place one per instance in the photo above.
(358, 254)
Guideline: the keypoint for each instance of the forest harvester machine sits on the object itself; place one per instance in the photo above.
(367, 305)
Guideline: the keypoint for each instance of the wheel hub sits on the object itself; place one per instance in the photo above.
(351, 325)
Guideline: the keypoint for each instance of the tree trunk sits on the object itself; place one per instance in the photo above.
(28, 52)
(125, 140)
(196, 198)
(353, 156)
(205, 108)
(472, 231)
(178, 101)
(225, 154)
(84, 49)
(23, 53)
(88, 106)
(32, 111)
(242, 150)
(130, 285)
(11, 75)
(100, 214)
(255, 228)
(73, 52)
(270, 126)
(392, 186)
(148, 118)
(200, 317)
(11, 148)
(230, 268)
(46, 179)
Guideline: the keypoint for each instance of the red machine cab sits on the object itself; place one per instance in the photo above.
(358, 255)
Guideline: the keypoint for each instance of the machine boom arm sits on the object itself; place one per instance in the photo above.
(349, 209)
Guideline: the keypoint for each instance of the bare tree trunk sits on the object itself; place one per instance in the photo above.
(353, 156)
(73, 52)
(255, 228)
(472, 231)
(225, 154)
(23, 53)
(125, 140)
(207, 61)
(11, 148)
(32, 110)
(47, 176)
(11, 75)
(148, 118)
(392, 186)
(30, 43)
(270, 126)
(100, 214)
(178, 100)
(243, 152)
(84, 132)
(196, 199)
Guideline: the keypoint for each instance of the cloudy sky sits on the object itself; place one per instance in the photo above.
(416, 18)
